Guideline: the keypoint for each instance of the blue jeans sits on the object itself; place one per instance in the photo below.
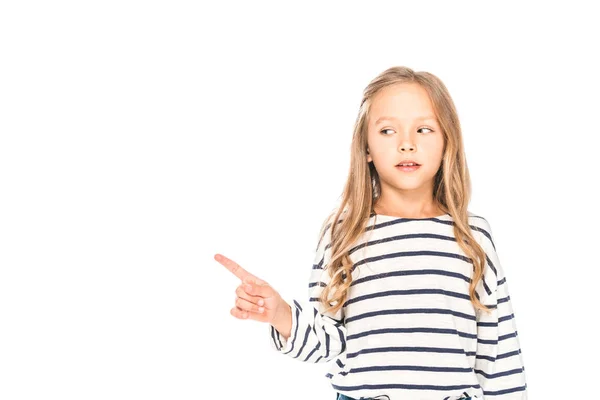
(344, 397)
(340, 396)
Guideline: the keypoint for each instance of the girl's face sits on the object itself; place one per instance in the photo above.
(402, 126)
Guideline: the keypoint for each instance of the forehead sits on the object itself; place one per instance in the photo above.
(401, 103)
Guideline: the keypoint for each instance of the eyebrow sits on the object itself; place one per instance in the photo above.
(423, 118)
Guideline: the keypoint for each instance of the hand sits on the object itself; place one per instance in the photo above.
(260, 301)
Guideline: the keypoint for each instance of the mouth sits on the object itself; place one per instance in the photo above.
(407, 164)
(408, 167)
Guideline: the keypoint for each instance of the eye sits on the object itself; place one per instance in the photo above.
(383, 130)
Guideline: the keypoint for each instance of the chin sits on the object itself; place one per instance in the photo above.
(409, 182)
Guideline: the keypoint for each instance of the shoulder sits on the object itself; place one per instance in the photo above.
(328, 221)
(482, 230)
(477, 219)
(325, 231)
(479, 223)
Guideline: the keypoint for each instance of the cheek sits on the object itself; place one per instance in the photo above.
(383, 157)
(434, 149)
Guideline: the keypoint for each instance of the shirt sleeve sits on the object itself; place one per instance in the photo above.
(315, 337)
(498, 363)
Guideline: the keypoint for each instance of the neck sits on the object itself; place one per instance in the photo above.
(408, 210)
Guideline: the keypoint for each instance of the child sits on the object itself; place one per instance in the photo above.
(406, 293)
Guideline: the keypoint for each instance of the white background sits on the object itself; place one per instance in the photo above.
(138, 139)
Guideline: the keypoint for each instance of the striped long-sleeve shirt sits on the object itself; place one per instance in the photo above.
(408, 329)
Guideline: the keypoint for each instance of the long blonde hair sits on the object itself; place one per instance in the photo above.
(451, 191)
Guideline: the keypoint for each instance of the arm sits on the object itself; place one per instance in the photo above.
(498, 363)
(314, 337)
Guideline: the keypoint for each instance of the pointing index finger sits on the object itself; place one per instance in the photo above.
(232, 266)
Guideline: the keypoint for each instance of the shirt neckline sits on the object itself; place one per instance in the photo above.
(394, 217)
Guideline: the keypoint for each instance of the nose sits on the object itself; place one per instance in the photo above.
(406, 147)
(407, 143)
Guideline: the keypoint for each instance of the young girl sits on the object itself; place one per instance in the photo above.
(406, 293)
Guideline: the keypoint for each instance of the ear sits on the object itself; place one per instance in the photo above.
(369, 158)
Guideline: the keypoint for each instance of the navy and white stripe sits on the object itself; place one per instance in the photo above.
(408, 329)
